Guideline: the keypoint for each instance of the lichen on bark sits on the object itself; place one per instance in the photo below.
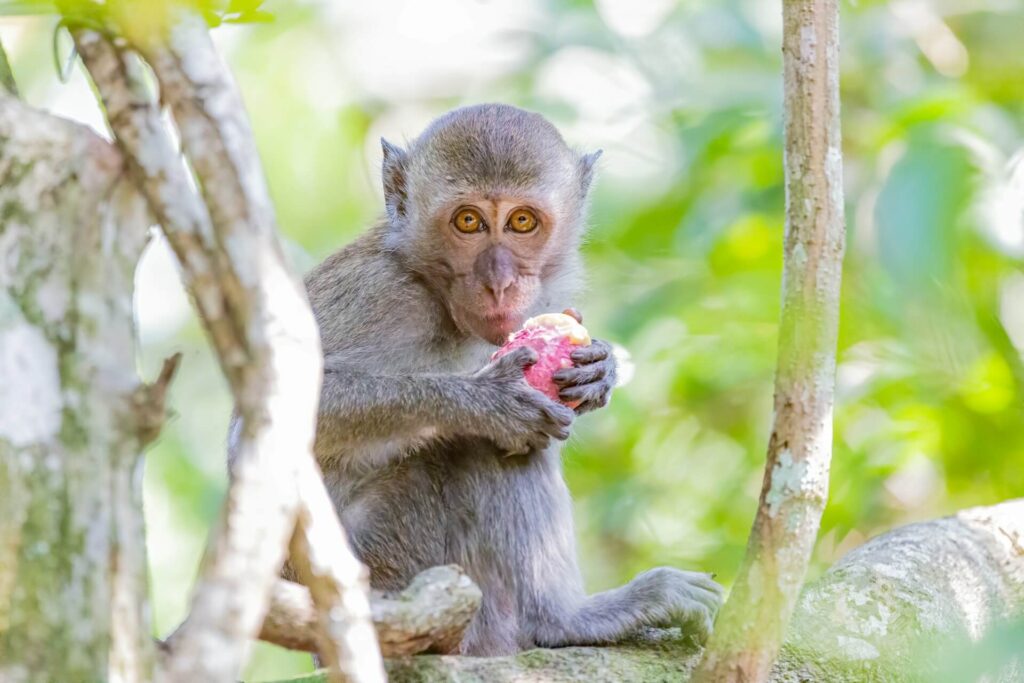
(72, 557)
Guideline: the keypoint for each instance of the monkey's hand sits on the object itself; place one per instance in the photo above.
(591, 378)
(517, 417)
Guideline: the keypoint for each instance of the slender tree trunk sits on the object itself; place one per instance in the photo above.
(751, 626)
(73, 416)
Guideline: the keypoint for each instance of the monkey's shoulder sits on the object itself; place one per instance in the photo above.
(368, 304)
(359, 267)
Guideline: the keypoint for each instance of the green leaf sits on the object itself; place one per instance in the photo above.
(243, 6)
(13, 8)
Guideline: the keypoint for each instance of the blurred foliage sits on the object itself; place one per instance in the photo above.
(684, 254)
(139, 13)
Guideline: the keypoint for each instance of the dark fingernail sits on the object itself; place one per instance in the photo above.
(573, 313)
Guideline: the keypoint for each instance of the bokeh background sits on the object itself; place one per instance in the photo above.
(684, 253)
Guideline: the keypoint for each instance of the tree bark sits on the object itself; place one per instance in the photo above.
(907, 605)
(750, 627)
(430, 615)
(901, 609)
(262, 328)
(73, 416)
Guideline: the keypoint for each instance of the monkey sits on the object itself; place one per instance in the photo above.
(434, 454)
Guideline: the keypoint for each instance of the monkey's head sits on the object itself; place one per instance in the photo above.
(487, 206)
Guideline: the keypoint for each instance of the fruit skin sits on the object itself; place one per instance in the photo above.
(554, 336)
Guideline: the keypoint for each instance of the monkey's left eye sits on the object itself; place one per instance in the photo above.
(522, 220)
(469, 220)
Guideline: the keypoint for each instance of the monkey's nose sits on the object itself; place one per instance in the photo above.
(497, 290)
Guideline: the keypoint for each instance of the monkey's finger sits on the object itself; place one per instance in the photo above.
(612, 372)
(598, 350)
(694, 622)
(709, 599)
(585, 374)
(573, 313)
(522, 357)
(712, 590)
(558, 432)
(596, 393)
(575, 394)
(705, 582)
(703, 625)
(559, 415)
(590, 406)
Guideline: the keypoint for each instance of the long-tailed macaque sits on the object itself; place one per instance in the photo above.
(434, 455)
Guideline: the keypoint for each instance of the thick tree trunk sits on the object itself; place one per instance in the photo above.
(900, 609)
(750, 628)
(73, 416)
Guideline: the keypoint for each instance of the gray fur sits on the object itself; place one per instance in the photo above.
(432, 454)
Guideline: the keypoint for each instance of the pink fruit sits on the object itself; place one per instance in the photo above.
(554, 336)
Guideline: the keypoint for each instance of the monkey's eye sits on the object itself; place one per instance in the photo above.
(522, 220)
(469, 220)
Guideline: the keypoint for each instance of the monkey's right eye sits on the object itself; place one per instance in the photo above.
(469, 220)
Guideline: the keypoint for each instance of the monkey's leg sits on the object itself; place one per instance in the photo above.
(494, 630)
(659, 597)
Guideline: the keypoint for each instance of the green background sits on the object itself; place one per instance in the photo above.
(684, 253)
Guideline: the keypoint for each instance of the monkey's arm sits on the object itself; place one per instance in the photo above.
(359, 407)
(591, 378)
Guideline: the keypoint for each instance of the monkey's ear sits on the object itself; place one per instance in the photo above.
(393, 175)
(587, 164)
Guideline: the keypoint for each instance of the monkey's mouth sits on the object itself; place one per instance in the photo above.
(495, 327)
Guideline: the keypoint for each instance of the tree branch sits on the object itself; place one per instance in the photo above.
(905, 607)
(263, 330)
(750, 627)
(429, 616)
(909, 603)
(151, 401)
(338, 583)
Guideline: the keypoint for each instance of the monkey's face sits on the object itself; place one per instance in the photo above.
(498, 247)
(487, 207)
